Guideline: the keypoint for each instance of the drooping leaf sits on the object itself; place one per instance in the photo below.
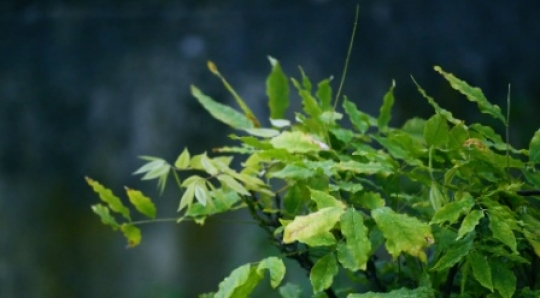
(132, 234)
(403, 233)
(324, 200)
(502, 232)
(277, 89)
(473, 94)
(240, 283)
(290, 290)
(182, 162)
(504, 280)
(276, 269)
(454, 254)
(469, 223)
(534, 147)
(421, 292)
(323, 272)
(232, 184)
(385, 111)
(357, 241)
(436, 131)
(107, 196)
(324, 94)
(450, 212)
(297, 142)
(222, 112)
(187, 197)
(480, 269)
(142, 203)
(105, 216)
(304, 227)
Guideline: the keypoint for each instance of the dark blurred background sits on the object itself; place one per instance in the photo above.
(87, 86)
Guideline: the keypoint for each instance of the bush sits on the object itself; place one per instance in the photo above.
(434, 208)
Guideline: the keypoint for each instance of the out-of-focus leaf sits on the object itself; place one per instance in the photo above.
(290, 290)
(370, 200)
(436, 131)
(504, 280)
(369, 168)
(385, 111)
(187, 197)
(262, 132)
(280, 123)
(294, 172)
(469, 223)
(182, 162)
(132, 234)
(304, 227)
(222, 112)
(295, 199)
(107, 196)
(201, 193)
(357, 241)
(240, 283)
(360, 120)
(232, 184)
(450, 212)
(445, 113)
(105, 216)
(276, 269)
(142, 203)
(534, 147)
(454, 254)
(323, 272)
(480, 269)
(297, 142)
(436, 197)
(277, 89)
(422, 292)
(324, 94)
(403, 233)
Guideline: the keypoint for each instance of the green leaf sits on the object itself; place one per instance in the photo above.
(436, 197)
(201, 192)
(280, 123)
(275, 267)
(294, 172)
(473, 94)
(450, 212)
(421, 292)
(297, 142)
(222, 112)
(295, 198)
(469, 223)
(438, 110)
(105, 216)
(304, 227)
(290, 290)
(107, 196)
(480, 269)
(324, 200)
(501, 231)
(208, 166)
(277, 89)
(454, 254)
(187, 197)
(504, 280)
(142, 203)
(436, 131)
(324, 94)
(370, 200)
(263, 132)
(232, 184)
(132, 234)
(403, 233)
(239, 284)
(360, 120)
(357, 241)
(534, 147)
(182, 162)
(369, 168)
(323, 272)
(385, 111)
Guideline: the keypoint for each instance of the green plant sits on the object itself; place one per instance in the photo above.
(453, 204)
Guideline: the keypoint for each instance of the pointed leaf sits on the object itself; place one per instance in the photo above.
(469, 223)
(357, 241)
(294, 172)
(277, 89)
(534, 147)
(360, 120)
(280, 123)
(369, 168)
(105, 216)
(201, 193)
(222, 112)
(504, 280)
(142, 203)
(324, 94)
(182, 162)
(403, 233)
(323, 272)
(240, 283)
(454, 254)
(107, 196)
(231, 183)
(436, 197)
(450, 212)
(385, 111)
(275, 267)
(304, 227)
(324, 199)
(445, 113)
(187, 197)
(501, 231)
(296, 141)
(480, 269)
(263, 132)
(436, 131)
(132, 234)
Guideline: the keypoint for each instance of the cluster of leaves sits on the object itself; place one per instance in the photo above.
(434, 208)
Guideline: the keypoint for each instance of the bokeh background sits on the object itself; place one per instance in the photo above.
(87, 86)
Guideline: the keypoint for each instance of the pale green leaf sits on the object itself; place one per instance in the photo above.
(297, 142)
(452, 211)
(473, 94)
(157, 172)
(187, 197)
(324, 94)
(232, 184)
(222, 112)
(105, 216)
(370, 200)
(504, 280)
(132, 234)
(501, 231)
(480, 269)
(469, 223)
(385, 111)
(294, 172)
(296, 197)
(276, 269)
(208, 166)
(323, 272)
(201, 193)
(239, 284)
(142, 203)
(182, 162)
(369, 168)
(422, 292)
(290, 290)
(436, 197)
(107, 196)
(454, 254)
(324, 200)
(436, 131)
(262, 132)
(357, 241)
(306, 226)
(534, 147)
(403, 233)
(280, 123)
(153, 164)
(277, 89)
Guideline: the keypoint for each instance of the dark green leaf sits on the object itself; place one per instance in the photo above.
(324, 94)
(469, 223)
(480, 269)
(452, 211)
(323, 272)
(277, 89)
(501, 231)
(534, 147)
(385, 111)
(454, 254)
(504, 280)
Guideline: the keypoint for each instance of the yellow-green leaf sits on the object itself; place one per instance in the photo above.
(297, 142)
(277, 89)
(357, 241)
(232, 184)
(436, 131)
(385, 111)
(450, 212)
(469, 223)
(304, 227)
(105, 216)
(324, 94)
(142, 203)
(107, 196)
(501, 231)
(534, 147)
(182, 162)
(187, 197)
(276, 269)
(324, 199)
(323, 272)
(132, 234)
(504, 280)
(240, 283)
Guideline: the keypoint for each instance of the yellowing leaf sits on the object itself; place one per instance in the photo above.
(142, 203)
(107, 196)
(324, 199)
(275, 267)
(182, 162)
(277, 89)
(323, 272)
(403, 233)
(295, 141)
(132, 234)
(358, 245)
(304, 227)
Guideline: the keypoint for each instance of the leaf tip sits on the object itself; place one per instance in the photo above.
(212, 67)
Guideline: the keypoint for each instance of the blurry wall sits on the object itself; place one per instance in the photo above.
(86, 87)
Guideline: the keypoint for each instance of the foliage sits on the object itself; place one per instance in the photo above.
(434, 208)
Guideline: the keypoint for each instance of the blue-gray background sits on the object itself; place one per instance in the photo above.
(87, 86)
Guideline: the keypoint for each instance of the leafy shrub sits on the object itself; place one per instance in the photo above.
(434, 208)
